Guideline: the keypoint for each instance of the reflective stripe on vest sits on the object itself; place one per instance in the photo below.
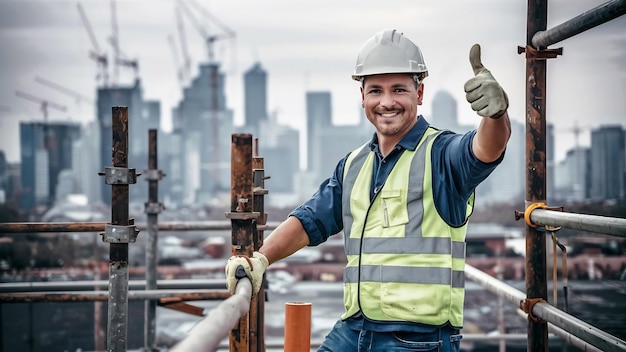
(395, 272)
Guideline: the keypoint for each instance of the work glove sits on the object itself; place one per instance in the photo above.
(483, 92)
(254, 268)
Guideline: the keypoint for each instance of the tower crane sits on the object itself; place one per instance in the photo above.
(179, 69)
(77, 96)
(43, 103)
(210, 40)
(120, 57)
(186, 68)
(95, 54)
(576, 130)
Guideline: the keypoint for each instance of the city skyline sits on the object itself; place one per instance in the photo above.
(315, 52)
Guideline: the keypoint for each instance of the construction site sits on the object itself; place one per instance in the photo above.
(115, 236)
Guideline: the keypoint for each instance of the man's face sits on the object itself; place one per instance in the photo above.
(390, 102)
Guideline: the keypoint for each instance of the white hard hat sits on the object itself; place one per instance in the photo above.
(389, 51)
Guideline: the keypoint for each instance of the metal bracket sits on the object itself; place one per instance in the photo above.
(527, 306)
(119, 176)
(243, 215)
(153, 175)
(542, 54)
(153, 208)
(119, 233)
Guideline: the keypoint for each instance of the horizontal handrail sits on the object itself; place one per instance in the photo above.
(592, 18)
(210, 331)
(88, 285)
(103, 296)
(593, 223)
(26, 227)
(572, 325)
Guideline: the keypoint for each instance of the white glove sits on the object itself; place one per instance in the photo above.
(254, 268)
(483, 92)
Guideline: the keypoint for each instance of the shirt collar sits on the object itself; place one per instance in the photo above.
(410, 140)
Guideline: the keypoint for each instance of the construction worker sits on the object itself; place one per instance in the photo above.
(403, 201)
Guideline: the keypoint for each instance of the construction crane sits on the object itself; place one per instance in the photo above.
(120, 58)
(179, 69)
(43, 104)
(576, 130)
(48, 141)
(186, 67)
(77, 96)
(210, 40)
(95, 54)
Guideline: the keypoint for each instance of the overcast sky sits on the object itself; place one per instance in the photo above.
(305, 46)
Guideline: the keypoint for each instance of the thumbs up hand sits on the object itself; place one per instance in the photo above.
(483, 92)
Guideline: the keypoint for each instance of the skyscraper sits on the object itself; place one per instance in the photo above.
(607, 162)
(318, 116)
(109, 97)
(46, 149)
(572, 181)
(255, 98)
(445, 115)
(204, 124)
(279, 145)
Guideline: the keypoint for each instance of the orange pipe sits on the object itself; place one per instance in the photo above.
(298, 327)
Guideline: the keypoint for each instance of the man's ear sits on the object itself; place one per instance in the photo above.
(362, 98)
(420, 94)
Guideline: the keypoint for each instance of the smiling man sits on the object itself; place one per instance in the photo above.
(403, 201)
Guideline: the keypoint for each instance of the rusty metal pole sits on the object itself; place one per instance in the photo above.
(536, 276)
(257, 318)
(119, 233)
(152, 209)
(243, 221)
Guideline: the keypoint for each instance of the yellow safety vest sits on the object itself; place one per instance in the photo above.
(404, 262)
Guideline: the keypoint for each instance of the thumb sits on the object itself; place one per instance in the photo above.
(474, 58)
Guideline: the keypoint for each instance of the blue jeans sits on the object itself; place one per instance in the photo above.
(343, 339)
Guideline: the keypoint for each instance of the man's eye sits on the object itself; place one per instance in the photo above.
(374, 91)
(400, 90)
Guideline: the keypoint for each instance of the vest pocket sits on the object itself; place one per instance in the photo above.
(393, 207)
(412, 302)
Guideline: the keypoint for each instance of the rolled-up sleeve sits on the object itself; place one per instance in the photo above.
(321, 214)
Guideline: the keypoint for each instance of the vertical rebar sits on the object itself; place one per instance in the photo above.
(536, 276)
(243, 222)
(118, 255)
(151, 245)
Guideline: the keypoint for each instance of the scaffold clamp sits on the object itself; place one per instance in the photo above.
(541, 54)
(153, 175)
(527, 306)
(153, 208)
(119, 233)
(119, 176)
(529, 209)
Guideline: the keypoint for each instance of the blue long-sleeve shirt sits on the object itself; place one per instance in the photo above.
(456, 173)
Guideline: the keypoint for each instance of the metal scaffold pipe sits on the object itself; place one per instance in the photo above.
(581, 333)
(209, 332)
(592, 18)
(88, 285)
(583, 222)
(152, 208)
(103, 296)
(26, 227)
